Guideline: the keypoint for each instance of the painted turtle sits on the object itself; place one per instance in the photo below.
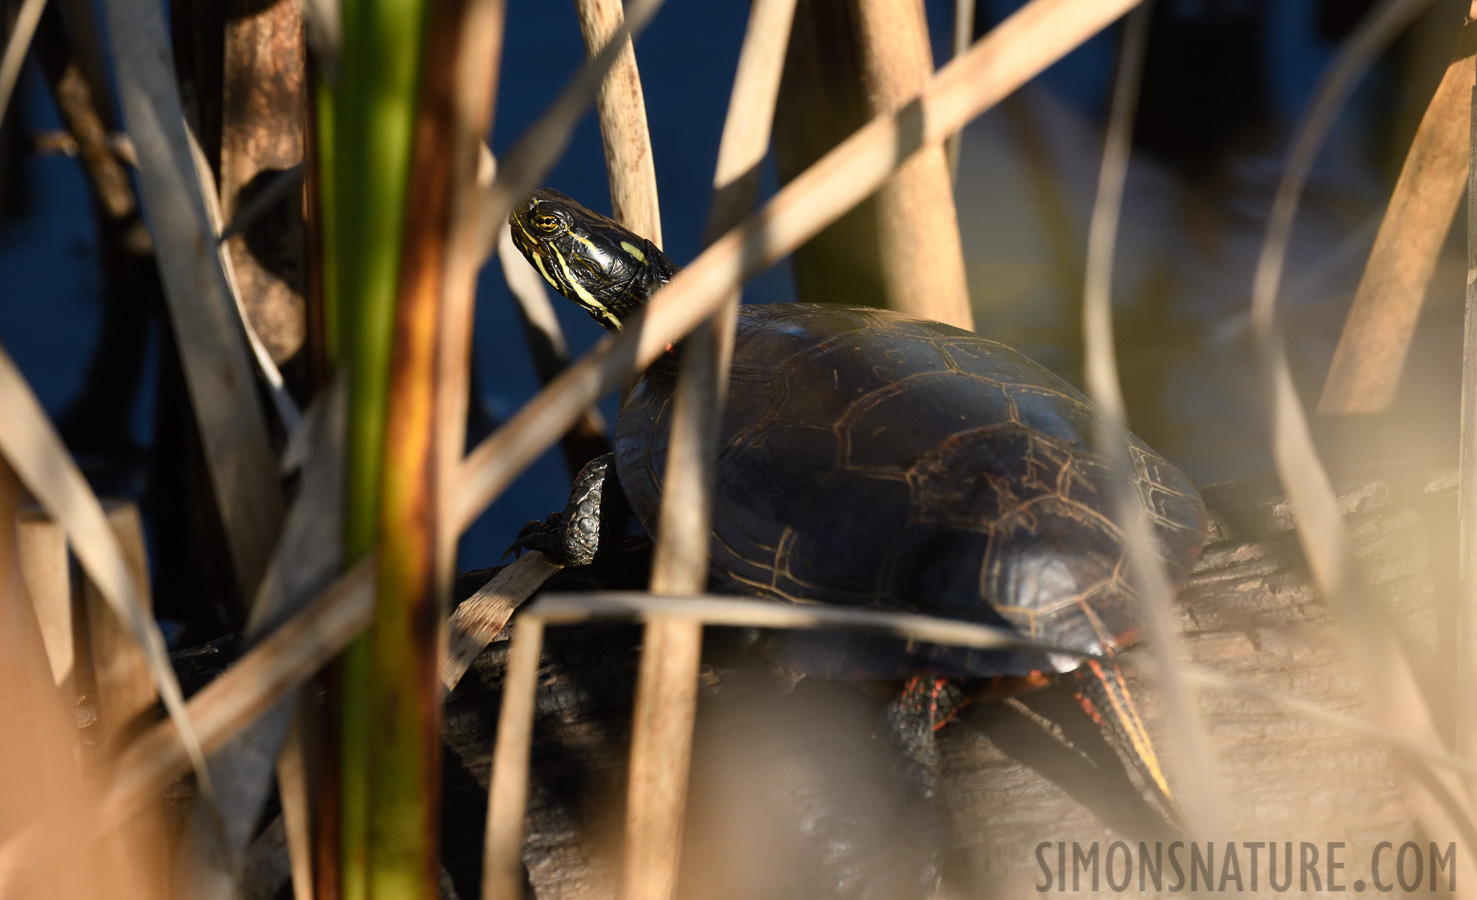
(875, 460)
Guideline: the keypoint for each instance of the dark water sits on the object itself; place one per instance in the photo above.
(1209, 152)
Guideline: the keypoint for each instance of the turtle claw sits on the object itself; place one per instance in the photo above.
(541, 536)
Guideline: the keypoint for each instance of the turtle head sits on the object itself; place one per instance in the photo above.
(607, 269)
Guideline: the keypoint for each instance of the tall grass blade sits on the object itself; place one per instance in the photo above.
(1202, 799)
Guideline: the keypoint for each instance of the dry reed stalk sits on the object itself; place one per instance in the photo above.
(963, 37)
(232, 429)
(1011, 54)
(545, 341)
(661, 753)
(15, 49)
(1376, 338)
(425, 417)
(680, 562)
(44, 569)
(40, 460)
(479, 55)
(1203, 800)
(1443, 805)
(622, 106)
(286, 658)
(481, 617)
(507, 801)
(281, 185)
(523, 167)
(847, 62)
(574, 609)
(921, 253)
(666, 690)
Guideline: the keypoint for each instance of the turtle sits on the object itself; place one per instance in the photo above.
(871, 459)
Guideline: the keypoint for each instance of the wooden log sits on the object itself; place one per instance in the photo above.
(787, 772)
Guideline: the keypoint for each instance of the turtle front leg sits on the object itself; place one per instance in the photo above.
(593, 520)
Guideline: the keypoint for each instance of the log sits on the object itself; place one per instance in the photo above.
(799, 790)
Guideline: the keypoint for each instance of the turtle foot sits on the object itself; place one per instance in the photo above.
(541, 536)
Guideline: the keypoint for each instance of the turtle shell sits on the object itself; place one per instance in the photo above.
(869, 459)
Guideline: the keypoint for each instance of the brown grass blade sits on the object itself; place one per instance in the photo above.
(1395, 697)
(1376, 337)
(622, 106)
(1203, 799)
(218, 373)
(36, 453)
(502, 865)
(481, 617)
(1013, 53)
(21, 32)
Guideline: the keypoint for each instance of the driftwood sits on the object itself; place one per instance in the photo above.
(800, 791)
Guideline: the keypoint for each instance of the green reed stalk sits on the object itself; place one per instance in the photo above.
(367, 125)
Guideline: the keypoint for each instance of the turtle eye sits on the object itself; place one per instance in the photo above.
(546, 223)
